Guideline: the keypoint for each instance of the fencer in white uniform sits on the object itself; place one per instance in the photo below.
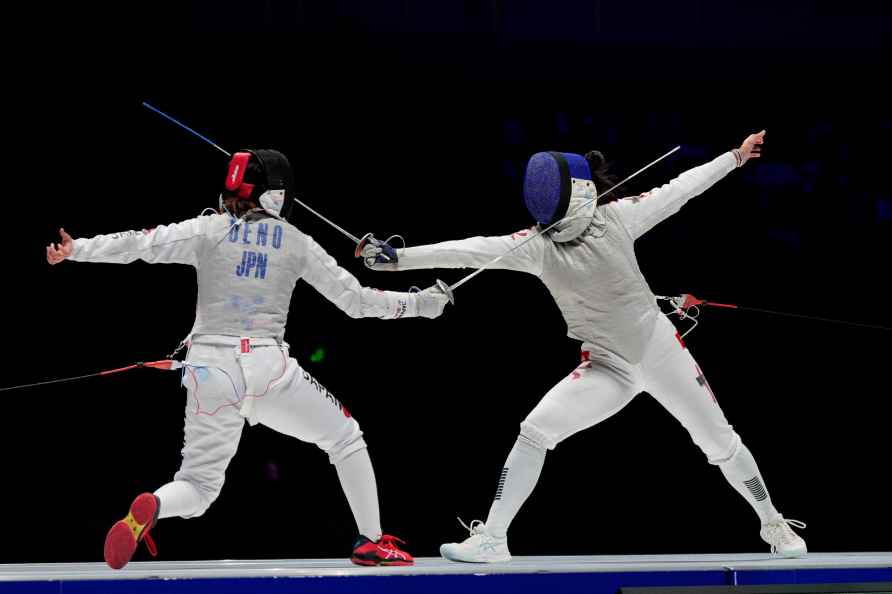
(238, 366)
(588, 264)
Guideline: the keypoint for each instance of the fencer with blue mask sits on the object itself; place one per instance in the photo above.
(587, 261)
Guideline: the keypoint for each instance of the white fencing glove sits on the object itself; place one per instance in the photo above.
(430, 302)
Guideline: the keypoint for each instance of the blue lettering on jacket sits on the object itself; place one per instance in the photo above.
(255, 261)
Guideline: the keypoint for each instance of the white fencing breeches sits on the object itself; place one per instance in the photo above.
(600, 386)
(224, 387)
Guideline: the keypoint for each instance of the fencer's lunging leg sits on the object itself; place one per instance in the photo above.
(596, 390)
(518, 479)
(593, 392)
(488, 543)
(301, 407)
(358, 482)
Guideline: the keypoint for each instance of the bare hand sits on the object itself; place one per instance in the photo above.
(58, 252)
(752, 147)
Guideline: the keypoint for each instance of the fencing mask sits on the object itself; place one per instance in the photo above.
(554, 188)
(263, 176)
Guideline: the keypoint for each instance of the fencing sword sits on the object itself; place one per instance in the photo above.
(364, 246)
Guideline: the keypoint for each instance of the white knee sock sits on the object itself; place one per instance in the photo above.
(519, 477)
(358, 482)
(743, 474)
(178, 498)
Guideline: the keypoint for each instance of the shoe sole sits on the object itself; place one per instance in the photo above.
(372, 562)
(124, 535)
(459, 559)
(794, 554)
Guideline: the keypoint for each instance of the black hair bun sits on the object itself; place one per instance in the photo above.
(595, 160)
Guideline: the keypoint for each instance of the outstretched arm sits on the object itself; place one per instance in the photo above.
(179, 243)
(341, 288)
(476, 252)
(642, 213)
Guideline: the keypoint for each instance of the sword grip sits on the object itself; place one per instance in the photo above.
(386, 255)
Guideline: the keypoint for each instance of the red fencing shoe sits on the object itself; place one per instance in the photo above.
(121, 540)
(383, 552)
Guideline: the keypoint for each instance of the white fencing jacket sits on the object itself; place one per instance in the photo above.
(246, 271)
(594, 279)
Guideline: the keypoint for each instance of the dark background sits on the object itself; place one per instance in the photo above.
(417, 118)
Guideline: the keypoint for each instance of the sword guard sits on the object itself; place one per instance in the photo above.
(374, 251)
(366, 239)
(447, 290)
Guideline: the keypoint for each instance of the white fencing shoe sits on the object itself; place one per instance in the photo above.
(782, 539)
(480, 547)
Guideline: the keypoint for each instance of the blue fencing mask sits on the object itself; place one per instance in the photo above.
(555, 187)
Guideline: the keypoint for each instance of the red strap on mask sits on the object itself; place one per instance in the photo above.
(238, 165)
